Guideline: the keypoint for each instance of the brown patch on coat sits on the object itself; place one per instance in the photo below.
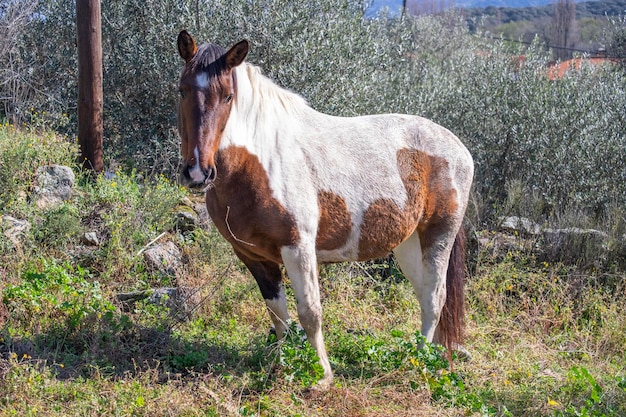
(242, 207)
(335, 223)
(384, 227)
(431, 201)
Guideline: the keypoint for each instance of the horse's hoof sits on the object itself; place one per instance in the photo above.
(462, 354)
(320, 387)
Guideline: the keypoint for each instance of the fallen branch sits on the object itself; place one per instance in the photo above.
(152, 242)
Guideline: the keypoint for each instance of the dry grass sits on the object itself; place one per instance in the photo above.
(546, 339)
(522, 354)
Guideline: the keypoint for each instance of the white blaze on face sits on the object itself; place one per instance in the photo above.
(202, 80)
(195, 172)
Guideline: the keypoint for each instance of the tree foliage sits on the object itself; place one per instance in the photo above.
(563, 140)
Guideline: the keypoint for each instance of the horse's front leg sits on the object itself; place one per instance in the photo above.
(269, 278)
(301, 265)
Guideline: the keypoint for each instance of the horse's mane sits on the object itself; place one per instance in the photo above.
(210, 59)
(268, 95)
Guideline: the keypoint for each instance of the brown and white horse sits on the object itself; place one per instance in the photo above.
(288, 185)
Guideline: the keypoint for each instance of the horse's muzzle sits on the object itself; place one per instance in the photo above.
(193, 177)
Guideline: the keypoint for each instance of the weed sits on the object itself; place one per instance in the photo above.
(298, 360)
(189, 358)
(55, 295)
(61, 225)
(59, 310)
(583, 389)
(21, 154)
(132, 211)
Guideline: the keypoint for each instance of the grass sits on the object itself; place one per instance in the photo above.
(546, 338)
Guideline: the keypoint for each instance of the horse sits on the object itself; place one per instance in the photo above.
(286, 184)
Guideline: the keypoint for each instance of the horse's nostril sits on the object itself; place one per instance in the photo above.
(184, 173)
(193, 176)
(211, 174)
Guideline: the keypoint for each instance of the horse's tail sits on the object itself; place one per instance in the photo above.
(452, 320)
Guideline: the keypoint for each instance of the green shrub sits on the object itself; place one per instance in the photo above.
(60, 226)
(131, 211)
(21, 153)
(562, 140)
(54, 296)
(585, 396)
(298, 360)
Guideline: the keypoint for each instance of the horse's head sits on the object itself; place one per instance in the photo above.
(207, 90)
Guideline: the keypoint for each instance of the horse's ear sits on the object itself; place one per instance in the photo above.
(237, 53)
(186, 46)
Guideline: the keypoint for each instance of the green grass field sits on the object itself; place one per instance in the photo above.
(547, 339)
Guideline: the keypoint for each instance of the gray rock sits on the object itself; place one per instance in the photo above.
(165, 257)
(197, 209)
(91, 239)
(16, 228)
(575, 245)
(204, 220)
(576, 232)
(521, 225)
(181, 301)
(186, 219)
(54, 185)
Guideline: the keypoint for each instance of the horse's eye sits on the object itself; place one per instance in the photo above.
(228, 98)
(182, 93)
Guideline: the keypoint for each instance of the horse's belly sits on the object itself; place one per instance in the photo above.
(382, 228)
(334, 256)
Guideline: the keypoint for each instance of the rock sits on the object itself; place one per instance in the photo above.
(575, 245)
(91, 239)
(165, 257)
(204, 220)
(521, 225)
(54, 185)
(576, 232)
(498, 244)
(16, 228)
(186, 219)
(181, 301)
(200, 213)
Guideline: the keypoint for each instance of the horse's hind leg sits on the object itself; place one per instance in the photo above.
(301, 265)
(269, 278)
(425, 267)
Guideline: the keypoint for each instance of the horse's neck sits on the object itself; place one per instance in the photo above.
(264, 113)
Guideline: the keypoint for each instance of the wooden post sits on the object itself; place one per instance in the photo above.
(89, 41)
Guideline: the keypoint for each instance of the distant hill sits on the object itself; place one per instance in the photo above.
(501, 3)
(590, 33)
(527, 20)
(507, 14)
(486, 6)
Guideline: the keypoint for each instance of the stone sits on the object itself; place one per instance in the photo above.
(521, 225)
(182, 301)
(16, 228)
(165, 257)
(91, 239)
(54, 185)
(186, 219)
(198, 212)
(575, 245)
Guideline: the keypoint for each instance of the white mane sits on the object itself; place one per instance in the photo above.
(263, 111)
(267, 95)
